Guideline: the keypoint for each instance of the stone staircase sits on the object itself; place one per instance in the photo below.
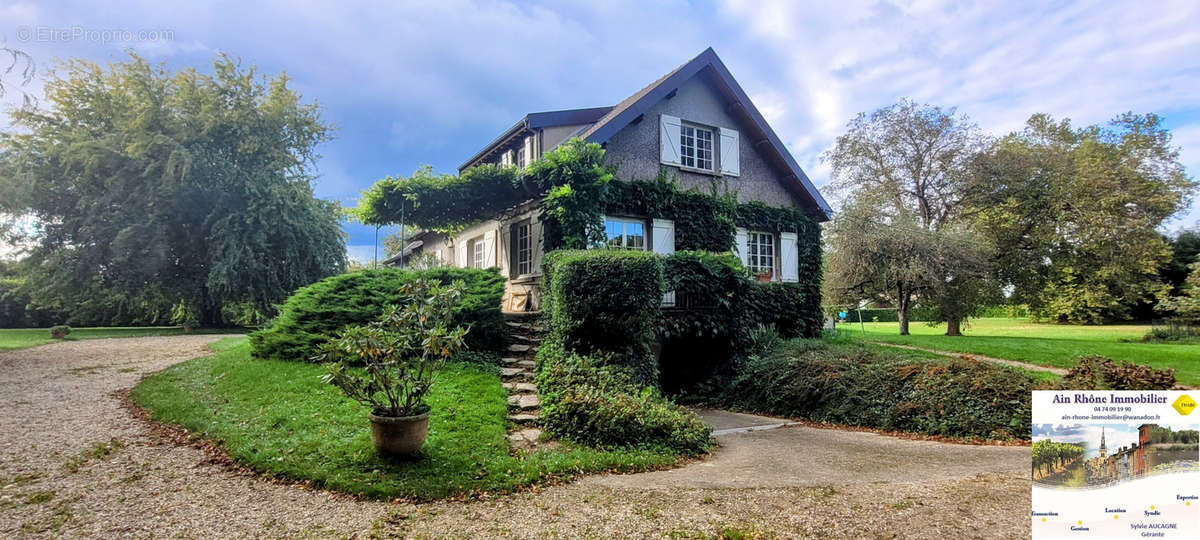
(517, 371)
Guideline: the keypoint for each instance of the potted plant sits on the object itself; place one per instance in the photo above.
(400, 354)
(764, 276)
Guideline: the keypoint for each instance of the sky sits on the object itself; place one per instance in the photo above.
(410, 84)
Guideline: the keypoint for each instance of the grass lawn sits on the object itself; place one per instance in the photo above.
(1043, 344)
(20, 338)
(278, 418)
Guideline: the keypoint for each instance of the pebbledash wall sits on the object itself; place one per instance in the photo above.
(635, 149)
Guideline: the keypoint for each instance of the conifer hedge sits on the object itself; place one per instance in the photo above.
(316, 312)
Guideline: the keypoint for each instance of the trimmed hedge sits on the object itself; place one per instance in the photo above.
(607, 301)
(794, 309)
(314, 313)
(596, 400)
(596, 370)
(850, 384)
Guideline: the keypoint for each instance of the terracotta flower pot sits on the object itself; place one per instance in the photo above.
(399, 435)
(764, 277)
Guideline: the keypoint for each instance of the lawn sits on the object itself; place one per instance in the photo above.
(1043, 344)
(278, 418)
(20, 338)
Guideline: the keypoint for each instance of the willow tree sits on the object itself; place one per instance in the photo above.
(155, 192)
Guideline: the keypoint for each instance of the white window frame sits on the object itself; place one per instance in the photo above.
(625, 222)
(757, 261)
(524, 252)
(477, 252)
(691, 152)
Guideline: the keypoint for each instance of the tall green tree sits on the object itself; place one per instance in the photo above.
(904, 168)
(1185, 250)
(1075, 213)
(155, 192)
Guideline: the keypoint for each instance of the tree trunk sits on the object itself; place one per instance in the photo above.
(902, 315)
(954, 327)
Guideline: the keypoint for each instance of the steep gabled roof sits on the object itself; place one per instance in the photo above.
(740, 105)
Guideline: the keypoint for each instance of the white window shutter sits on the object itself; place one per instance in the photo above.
(489, 249)
(664, 236)
(669, 139)
(529, 157)
(462, 254)
(742, 245)
(663, 239)
(788, 260)
(506, 158)
(535, 243)
(730, 158)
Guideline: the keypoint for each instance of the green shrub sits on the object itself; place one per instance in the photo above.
(1101, 373)
(596, 400)
(607, 301)
(794, 309)
(59, 331)
(850, 384)
(316, 312)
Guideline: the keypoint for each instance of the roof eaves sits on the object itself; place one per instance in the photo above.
(523, 123)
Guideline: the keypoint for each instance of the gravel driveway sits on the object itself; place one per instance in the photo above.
(74, 462)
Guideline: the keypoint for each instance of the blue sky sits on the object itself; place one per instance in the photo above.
(431, 83)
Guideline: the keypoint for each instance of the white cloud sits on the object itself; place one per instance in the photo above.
(996, 62)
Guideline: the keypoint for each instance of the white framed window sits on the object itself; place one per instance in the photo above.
(477, 252)
(624, 233)
(521, 163)
(696, 147)
(523, 242)
(760, 252)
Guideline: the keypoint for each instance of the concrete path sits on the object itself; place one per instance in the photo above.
(765, 452)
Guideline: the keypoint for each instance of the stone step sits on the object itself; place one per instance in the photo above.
(524, 417)
(521, 386)
(528, 339)
(510, 361)
(510, 372)
(524, 401)
(519, 348)
(527, 435)
(526, 364)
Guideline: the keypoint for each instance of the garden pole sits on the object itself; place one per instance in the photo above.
(861, 324)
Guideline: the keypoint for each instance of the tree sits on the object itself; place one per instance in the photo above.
(20, 64)
(1185, 249)
(905, 167)
(963, 277)
(1075, 213)
(157, 192)
(1186, 305)
(878, 257)
(909, 158)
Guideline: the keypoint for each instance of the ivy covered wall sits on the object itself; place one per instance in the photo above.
(576, 188)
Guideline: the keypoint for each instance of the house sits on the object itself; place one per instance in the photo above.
(695, 121)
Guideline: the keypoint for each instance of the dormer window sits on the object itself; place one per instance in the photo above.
(695, 147)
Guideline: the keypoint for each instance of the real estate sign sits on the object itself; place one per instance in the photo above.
(1109, 464)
